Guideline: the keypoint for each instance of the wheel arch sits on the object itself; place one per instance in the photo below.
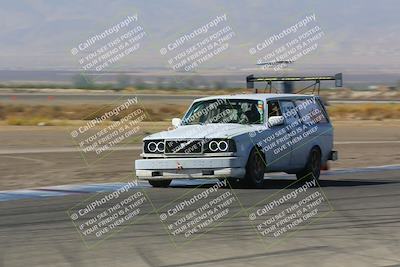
(259, 150)
(316, 146)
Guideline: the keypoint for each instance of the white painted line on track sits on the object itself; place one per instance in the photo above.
(367, 142)
(59, 150)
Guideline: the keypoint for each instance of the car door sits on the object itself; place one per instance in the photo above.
(274, 146)
(290, 139)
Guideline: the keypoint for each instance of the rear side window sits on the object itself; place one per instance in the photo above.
(311, 111)
(274, 108)
(289, 111)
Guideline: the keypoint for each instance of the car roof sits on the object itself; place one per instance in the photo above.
(255, 96)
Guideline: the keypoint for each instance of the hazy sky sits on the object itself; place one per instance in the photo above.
(40, 34)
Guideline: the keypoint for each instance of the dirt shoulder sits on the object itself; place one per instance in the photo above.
(360, 144)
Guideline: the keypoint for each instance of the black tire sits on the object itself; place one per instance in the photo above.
(255, 169)
(160, 183)
(313, 166)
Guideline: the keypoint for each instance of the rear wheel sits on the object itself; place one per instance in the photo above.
(313, 166)
(160, 183)
(255, 169)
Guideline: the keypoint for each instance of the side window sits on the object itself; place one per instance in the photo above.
(311, 111)
(274, 108)
(289, 111)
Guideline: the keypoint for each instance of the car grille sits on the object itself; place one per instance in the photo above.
(190, 146)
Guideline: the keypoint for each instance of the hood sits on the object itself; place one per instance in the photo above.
(213, 130)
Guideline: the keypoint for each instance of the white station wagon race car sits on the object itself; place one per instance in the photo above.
(241, 137)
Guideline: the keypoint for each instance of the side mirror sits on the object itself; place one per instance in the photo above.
(176, 122)
(275, 120)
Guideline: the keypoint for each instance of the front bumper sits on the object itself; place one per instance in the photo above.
(189, 168)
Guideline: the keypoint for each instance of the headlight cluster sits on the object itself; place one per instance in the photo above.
(219, 145)
(154, 146)
(215, 146)
(209, 146)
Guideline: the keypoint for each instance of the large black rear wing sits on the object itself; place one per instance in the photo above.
(338, 78)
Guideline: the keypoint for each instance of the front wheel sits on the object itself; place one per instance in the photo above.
(160, 183)
(255, 169)
(313, 166)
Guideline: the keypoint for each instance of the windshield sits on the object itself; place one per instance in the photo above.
(242, 111)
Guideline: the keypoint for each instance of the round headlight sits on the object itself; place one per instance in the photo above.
(223, 146)
(152, 147)
(160, 147)
(213, 146)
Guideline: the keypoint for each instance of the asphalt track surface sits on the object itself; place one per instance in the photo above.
(93, 98)
(362, 229)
